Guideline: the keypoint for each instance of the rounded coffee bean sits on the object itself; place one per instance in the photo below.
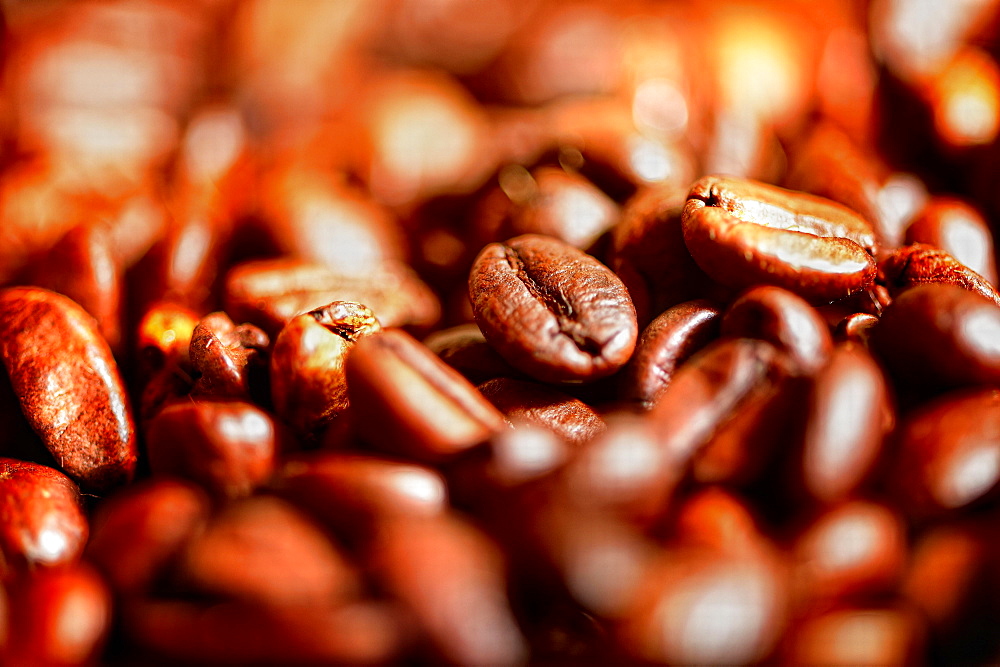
(68, 385)
(920, 264)
(960, 230)
(570, 418)
(744, 233)
(551, 310)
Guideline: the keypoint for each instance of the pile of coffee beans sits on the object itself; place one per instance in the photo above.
(495, 333)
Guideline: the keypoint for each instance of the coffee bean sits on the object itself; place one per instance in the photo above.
(570, 418)
(551, 310)
(960, 230)
(920, 264)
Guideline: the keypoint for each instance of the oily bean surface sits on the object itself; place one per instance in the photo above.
(921, 264)
(551, 310)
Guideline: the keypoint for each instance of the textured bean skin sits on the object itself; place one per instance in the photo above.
(960, 230)
(664, 345)
(551, 310)
(743, 233)
(940, 335)
(572, 419)
(920, 264)
(68, 384)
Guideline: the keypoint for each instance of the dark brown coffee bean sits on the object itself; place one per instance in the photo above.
(451, 577)
(949, 451)
(229, 447)
(551, 310)
(405, 399)
(223, 354)
(784, 320)
(44, 523)
(920, 264)
(138, 534)
(744, 233)
(940, 335)
(308, 377)
(856, 328)
(570, 418)
(68, 385)
(62, 616)
(960, 230)
(649, 255)
(285, 558)
(849, 414)
(465, 349)
(669, 340)
(269, 293)
(351, 493)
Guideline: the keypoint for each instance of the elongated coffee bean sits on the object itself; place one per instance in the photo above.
(68, 384)
(744, 233)
(551, 310)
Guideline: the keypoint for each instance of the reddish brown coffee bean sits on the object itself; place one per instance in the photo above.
(848, 415)
(239, 632)
(920, 264)
(285, 559)
(570, 418)
(949, 451)
(855, 549)
(856, 328)
(669, 340)
(856, 636)
(138, 534)
(269, 293)
(68, 385)
(940, 335)
(308, 380)
(649, 255)
(223, 354)
(744, 233)
(44, 523)
(353, 492)
(678, 617)
(451, 577)
(551, 310)
(783, 319)
(405, 399)
(465, 349)
(960, 230)
(718, 520)
(228, 447)
(82, 266)
(62, 617)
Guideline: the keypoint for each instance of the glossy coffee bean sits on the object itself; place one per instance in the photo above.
(406, 400)
(856, 328)
(784, 320)
(669, 340)
(528, 402)
(308, 377)
(223, 353)
(68, 385)
(744, 233)
(44, 521)
(137, 535)
(920, 264)
(960, 230)
(940, 335)
(551, 310)
(464, 348)
(229, 447)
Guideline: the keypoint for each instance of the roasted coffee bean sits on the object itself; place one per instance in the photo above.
(940, 335)
(44, 522)
(669, 340)
(269, 293)
(465, 349)
(856, 636)
(407, 400)
(949, 451)
(920, 264)
(784, 320)
(63, 618)
(849, 415)
(222, 353)
(67, 382)
(744, 233)
(570, 418)
(960, 230)
(718, 520)
(229, 447)
(138, 535)
(856, 328)
(551, 310)
(308, 377)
